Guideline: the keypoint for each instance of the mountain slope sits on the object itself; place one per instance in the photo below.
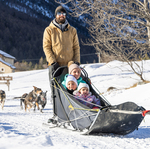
(22, 25)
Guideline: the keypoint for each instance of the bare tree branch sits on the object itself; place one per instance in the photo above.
(120, 28)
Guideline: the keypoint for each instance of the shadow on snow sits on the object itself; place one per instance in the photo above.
(8, 127)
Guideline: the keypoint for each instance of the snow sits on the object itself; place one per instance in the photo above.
(20, 129)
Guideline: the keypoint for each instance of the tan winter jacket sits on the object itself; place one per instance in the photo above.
(59, 46)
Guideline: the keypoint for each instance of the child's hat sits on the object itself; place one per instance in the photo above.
(72, 65)
(81, 85)
(71, 78)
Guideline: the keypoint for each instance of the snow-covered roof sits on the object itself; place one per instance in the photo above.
(6, 54)
(8, 64)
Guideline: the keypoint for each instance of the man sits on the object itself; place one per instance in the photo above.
(60, 43)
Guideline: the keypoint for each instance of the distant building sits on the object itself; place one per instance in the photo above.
(6, 63)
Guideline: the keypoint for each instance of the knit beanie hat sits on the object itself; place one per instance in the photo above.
(81, 85)
(60, 9)
(73, 66)
(71, 78)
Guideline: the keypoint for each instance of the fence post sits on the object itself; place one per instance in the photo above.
(98, 54)
(8, 83)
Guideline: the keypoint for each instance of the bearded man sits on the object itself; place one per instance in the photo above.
(60, 43)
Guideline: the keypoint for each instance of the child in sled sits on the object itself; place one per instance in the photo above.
(83, 93)
(74, 70)
(71, 84)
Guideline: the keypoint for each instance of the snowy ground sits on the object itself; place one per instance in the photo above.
(20, 129)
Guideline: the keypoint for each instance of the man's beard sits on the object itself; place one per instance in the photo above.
(60, 21)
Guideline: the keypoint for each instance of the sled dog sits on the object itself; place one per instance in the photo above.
(32, 98)
(22, 99)
(2, 98)
(41, 101)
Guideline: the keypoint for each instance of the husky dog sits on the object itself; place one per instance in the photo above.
(2, 98)
(22, 99)
(41, 101)
(36, 98)
(32, 98)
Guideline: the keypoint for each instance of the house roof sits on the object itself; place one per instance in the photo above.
(13, 67)
(6, 54)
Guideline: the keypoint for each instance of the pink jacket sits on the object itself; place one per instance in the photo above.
(90, 98)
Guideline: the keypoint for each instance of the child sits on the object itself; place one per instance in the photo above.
(84, 94)
(74, 70)
(71, 84)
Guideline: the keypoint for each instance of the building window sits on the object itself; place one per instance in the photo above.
(2, 69)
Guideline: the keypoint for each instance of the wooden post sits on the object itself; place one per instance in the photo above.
(8, 83)
(6, 80)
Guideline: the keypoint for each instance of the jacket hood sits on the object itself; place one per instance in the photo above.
(56, 25)
(79, 80)
(60, 26)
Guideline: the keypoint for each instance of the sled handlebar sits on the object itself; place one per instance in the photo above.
(57, 70)
(84, 72)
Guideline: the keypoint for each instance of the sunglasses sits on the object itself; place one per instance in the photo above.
(59, 13)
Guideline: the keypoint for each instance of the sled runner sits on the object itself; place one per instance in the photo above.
(117, 119)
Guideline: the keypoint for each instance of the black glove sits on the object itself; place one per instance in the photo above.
(55, 65)
(77, 63)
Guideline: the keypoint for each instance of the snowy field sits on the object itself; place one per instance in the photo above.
(24, 130)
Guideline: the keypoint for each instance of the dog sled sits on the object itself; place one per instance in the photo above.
(119, 119)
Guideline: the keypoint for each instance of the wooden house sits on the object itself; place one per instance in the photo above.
(6, 63)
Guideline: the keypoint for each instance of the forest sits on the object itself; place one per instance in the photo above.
(21, 36)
